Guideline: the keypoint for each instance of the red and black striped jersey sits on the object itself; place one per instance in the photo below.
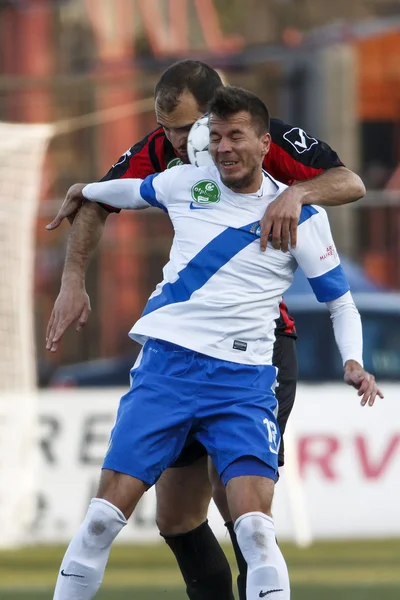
(293, 156)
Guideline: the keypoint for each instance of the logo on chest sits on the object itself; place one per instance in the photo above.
(205, 193)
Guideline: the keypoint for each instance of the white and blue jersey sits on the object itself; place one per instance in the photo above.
(220, 294)
(208, 328)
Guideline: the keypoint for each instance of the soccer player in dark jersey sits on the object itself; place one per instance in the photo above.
(183, 491)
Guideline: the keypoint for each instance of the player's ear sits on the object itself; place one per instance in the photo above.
(266, 143)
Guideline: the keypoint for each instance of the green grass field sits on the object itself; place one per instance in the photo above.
(363, 570)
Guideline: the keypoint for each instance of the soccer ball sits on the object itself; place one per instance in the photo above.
(197, 144)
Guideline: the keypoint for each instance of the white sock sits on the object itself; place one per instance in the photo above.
(267, 574)
(85, 560)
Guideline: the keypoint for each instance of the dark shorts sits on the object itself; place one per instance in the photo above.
(285, 359)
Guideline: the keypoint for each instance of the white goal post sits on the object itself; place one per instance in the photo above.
(22, 152)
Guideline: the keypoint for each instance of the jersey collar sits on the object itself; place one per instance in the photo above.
(269, 187)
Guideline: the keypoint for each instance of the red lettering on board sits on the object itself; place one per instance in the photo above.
(319, 451)
(373, 469)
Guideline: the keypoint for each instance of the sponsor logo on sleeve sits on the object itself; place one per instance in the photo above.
(330, 251)
(299, 139)
(123, 158)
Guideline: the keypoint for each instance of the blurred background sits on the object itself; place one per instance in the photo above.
(90, 66)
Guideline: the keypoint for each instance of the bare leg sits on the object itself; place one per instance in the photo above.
(218, 492)
(123, 491)
(183, 498)
(249, 494)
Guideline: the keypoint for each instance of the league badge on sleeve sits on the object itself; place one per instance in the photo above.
(300, 141)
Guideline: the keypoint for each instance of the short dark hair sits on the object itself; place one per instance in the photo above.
(230, 100)
(193, 76)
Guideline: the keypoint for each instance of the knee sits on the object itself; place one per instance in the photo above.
(173, 521)
(255, 535)
(168, 521)
(102, 524)
(183, 496)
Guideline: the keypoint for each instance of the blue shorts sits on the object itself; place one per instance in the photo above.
(229, 407)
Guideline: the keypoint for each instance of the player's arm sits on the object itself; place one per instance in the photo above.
(316, 255)
(131, 194)
(315, 175)
(72, 304)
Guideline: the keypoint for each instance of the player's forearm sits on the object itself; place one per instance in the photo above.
(120, 193)
(83, 239)
(347, 328)
(334, 187)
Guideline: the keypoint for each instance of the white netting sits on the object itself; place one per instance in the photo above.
(22, 151)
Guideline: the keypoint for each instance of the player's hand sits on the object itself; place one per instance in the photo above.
(70, 207)
(71, 306)
(363, 381)
(280, 221)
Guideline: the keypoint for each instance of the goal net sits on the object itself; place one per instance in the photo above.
(22, 152)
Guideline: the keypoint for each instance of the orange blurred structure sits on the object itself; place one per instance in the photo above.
(379, 107)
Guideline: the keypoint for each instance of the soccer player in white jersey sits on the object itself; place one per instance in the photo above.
(183, 491)
(207, 333)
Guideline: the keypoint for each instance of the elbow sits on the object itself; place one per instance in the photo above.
(355, 187)
(359, 188)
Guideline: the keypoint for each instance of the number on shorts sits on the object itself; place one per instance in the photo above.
(273, 437)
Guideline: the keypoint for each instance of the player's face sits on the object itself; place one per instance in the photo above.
(238, 150)
(178, 123)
